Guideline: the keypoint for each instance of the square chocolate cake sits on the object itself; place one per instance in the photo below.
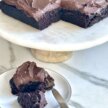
(42, 13)
(37, 13)
(84, 13)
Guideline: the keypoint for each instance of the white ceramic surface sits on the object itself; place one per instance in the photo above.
(7, 100)
(60, 36)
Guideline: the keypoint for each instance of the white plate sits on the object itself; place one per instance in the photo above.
(60, 36)
(7, 100)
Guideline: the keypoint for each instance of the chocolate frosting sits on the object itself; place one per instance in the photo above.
(85, 6)
(40, 4)
(35, 8)
(29, 72)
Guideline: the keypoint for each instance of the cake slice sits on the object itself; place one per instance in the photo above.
(34, 99)
(37, 13)
(29, 77)
(84, 13)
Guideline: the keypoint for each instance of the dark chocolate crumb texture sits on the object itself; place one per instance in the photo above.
(29, 77)
(41, 13)
(34, 99)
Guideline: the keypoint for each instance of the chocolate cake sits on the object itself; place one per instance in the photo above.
(84, 13)
(41, 13)
(29, 77)
(32, 99)
(37, 13)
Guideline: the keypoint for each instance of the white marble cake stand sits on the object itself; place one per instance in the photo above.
(55, 43)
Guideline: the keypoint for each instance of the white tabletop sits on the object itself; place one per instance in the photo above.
(86, 71)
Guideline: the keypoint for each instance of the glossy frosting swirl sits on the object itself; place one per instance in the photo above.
(29, 72)
(34, 8)
(37, 8)
(85, 6)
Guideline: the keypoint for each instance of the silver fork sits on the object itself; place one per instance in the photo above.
(59, 99)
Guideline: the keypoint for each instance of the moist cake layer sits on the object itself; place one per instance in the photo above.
(34, 99)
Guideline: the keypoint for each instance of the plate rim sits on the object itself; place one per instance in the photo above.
(68, 84)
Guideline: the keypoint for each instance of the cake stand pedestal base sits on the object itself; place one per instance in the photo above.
(51, 56)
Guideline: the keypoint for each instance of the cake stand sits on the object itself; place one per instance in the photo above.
(55, 43)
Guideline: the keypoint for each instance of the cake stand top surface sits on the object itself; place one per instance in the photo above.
(60, 36)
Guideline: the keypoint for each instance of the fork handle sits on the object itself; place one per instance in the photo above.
(63, 105)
